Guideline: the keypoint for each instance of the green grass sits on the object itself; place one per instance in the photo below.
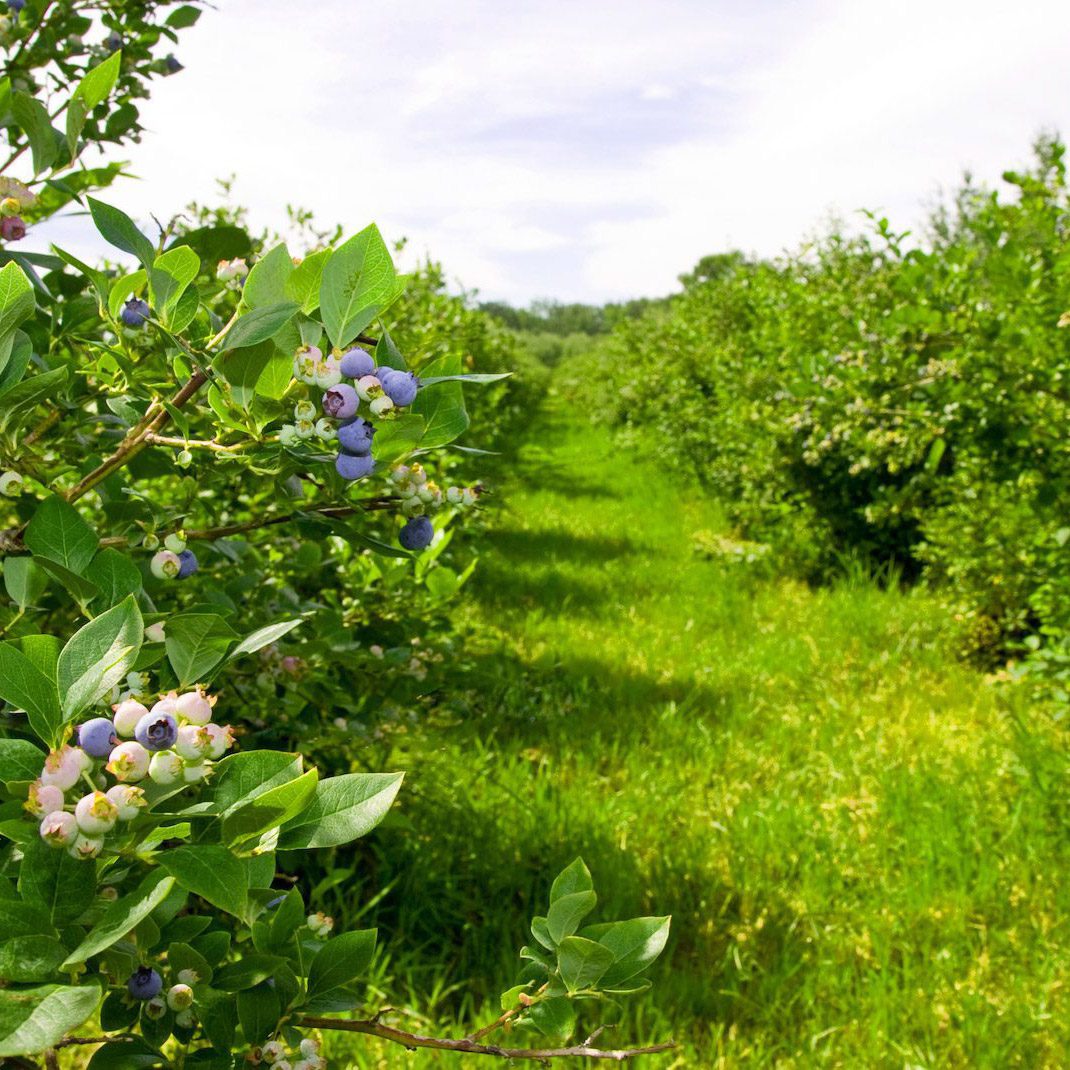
(863, 850)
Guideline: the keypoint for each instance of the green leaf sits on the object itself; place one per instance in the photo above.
(343, 809)
(195, 644)
(27, 395)
(266, 284)
(242, 777)
(115, 574)
(98, 82)
(259, 325)
(59, 534)
(263, 637)
(32, 117)
(303, 285)
(131, 1054)
(20, 760)
(258, 1012)
(398, 436)
(33, 1019)
(341, 960)
(567, 911)
(24, 581)
(82, 590)
(541, 933)
(118, 229)
(122, 915)
(211, 872)
(248, 972)
(474, 378)
(99, 655)
(183, 17)
(124, 287)
(13, 366)
(554, 1017)
(358, 284)
(575, 877)
(442, 405)
(635, 944)
(96, 277)
(56, 882)
(172, 272)
(582, 962)
(242, 369)
(244, 824)
(31, 958)
(16, 297)
(27, 688)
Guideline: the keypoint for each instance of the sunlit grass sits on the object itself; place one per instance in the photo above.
(864, 858)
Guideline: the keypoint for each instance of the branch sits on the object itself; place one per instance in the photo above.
(373, 1027)
(194, 443)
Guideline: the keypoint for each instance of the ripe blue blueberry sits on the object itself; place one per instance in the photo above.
(356, 437)
(134, 312)
(15, 6)
(341, 402)
(417, 533)
(357, 363)
(98, 737)
(144, 983)
(156, 731)
(114, 41)
(187, 564)
(400, 387)
(351, 467)
(172, 64)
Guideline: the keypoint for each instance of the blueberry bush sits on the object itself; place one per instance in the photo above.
(207, 448)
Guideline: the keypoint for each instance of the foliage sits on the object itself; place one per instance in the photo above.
(867, 399)
(165, 524)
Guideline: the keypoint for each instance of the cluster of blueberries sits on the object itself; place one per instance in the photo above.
(175, 561)
(172, 743)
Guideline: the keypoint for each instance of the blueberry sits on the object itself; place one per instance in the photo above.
(135, 312)
(156, 731)
(144, 983)
(357, 363)
(187, 564)
(172, 64)
(12, 228)
(341, 402)
(417, 533)
(350, 467)
(97, 737)
(400, 387)
(114, 41)
(15, 6)
(356, 437)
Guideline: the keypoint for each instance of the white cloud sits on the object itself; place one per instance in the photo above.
(596, 150)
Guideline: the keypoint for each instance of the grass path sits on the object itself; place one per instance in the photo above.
(864, 862)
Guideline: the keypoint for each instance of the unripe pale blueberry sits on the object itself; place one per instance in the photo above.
(195, 707)
(63, 767)
(321, 924)
(341, 402)
(134, 312)
(400, 474)
(288, 435)
(418, 474)
(165, 767)
(165, 565)
(356, 437)
(129, 762)
(175, 542)
(128, 800)
(185, 1019)
(10, 206)
(325, 430)
(183, 458)
(155, 1008)
(187, 564)
(283, 1064)
(272, 1051)
(188, 977)
(144, 983)
(369, 387)
(401, 387)
(11, 484)
(304, 410)
(193, 742)
(468, 496)
(166, 704)
(156, 731)
(304, 429)
(328, 373)
(85, 847)
(380, 405)
(305, 360)
(310, 1047)
(453, 495)
(231, 269)
(222, 739)
(12, 228)
(127, 715)
(417, 533)
(412, 506)
(179, 997)
(155, 633)
(192, 772)
(151, 541)
(59, 829)
(356, 363)
(44, 799)
(96, 814)
(97, 737)
(350, 467)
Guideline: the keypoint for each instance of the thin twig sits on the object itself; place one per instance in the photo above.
(194, 443)
(507, 1016)
(373, 1027)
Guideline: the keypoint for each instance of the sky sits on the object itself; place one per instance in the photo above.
(592, 150)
